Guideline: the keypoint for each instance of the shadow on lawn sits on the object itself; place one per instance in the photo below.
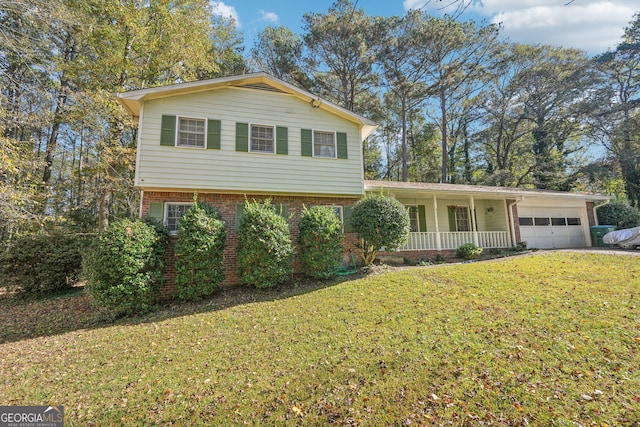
(72, 310)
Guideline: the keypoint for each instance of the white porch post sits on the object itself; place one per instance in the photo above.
(474, 226)
(435, 215)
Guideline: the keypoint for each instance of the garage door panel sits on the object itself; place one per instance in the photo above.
(552, 227)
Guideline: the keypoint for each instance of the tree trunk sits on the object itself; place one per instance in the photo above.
(443, 129)
(405, 172)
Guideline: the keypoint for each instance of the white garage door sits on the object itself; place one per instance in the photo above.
(549, 228)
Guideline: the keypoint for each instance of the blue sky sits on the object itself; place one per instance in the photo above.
(591, 25)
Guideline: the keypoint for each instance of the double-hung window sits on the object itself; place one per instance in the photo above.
(173, 213)
(324, 144)
(262, 139)
(191, 132)
(414, 219)
(462, 218)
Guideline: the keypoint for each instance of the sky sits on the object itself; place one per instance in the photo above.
(591, 25)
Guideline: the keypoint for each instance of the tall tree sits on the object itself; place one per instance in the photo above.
(618, 119)
(341, 47)
(278, 51)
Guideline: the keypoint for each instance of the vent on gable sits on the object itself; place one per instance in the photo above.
(262, 86)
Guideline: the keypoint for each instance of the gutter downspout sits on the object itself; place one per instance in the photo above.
(595, 214)
(511, 221)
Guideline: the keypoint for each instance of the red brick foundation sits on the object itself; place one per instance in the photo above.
(226, 204)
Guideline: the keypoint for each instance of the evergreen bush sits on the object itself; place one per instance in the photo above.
(619, 214)
(200, 252)
(125, 265)
(264, 246)
(41, 264)
(468, 251)
(320, 241)
(380, 222)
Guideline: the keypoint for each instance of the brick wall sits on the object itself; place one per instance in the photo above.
(226, 204)
(513, 212)
(592, 219)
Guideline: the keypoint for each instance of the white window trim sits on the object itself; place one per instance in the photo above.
(418, 216)
(313, 143)
(274, 138)
(455, 216)
(166, 212)
(177, 136)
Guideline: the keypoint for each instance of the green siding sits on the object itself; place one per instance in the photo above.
(242, 136)
(341, 139)
(282, 140)
(306, 142)
(168, 131)
(213, 134)
(156, 210)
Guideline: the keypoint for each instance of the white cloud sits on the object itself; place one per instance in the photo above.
(267, 16)
(221, 9)
(592, 25)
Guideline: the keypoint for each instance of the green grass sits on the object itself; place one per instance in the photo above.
(550, 339)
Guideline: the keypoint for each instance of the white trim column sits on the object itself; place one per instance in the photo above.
(435, 216)
(474, 226)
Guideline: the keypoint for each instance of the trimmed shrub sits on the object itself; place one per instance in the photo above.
(125, 265)
(619, 214)
(380, 222)
(264, 246)
(468, 251)
(37, 265)
(200, 252)
(320, 241)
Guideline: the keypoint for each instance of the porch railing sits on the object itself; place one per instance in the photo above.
(451, 240)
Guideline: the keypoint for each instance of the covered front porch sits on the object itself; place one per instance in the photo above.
(443, 216)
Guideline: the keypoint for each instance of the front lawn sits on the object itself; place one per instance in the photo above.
(551, 339)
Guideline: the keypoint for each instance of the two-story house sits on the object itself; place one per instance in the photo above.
(255, 137)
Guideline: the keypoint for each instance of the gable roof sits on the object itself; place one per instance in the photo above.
(476, 190)
(134, 99)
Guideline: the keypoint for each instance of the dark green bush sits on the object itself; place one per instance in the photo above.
(320, 241)
(468, 251)
(619, 214)
(380, 222)
(264, 246)
(36, 265)
(200, 252)
(125, 265)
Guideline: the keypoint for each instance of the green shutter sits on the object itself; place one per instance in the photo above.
(156, 211)
(168, 131)
(282, 140)
(452, 219)
(422, 219)
(341, 139)
(242, 136)
(346, 219)
(213, 134)
(306, 142)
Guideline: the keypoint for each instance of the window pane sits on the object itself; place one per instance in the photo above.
(542, 221)
(558, 221)
(413, 218)
(174, 213)
(573, 221)
(191, 132)
(324, 144)
(462, 219)
(526, 221)
(262, 138)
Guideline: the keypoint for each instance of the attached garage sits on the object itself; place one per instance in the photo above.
(549, 227)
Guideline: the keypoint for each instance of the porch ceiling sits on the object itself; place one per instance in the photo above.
(422, 189)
